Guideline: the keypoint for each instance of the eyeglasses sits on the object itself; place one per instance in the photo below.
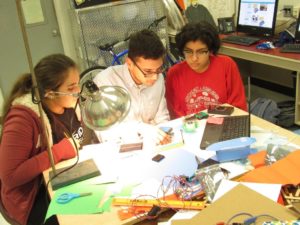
(198, 53)
(59, 93)
(150, 74)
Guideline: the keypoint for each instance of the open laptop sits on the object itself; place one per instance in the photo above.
(230, 128)
(293, 48)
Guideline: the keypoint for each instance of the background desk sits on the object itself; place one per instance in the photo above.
(111, 218)
(271, 57)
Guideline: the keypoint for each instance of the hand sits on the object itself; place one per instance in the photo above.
(163, 138)
(153, 133)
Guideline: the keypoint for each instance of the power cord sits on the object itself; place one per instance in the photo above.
(251, 220)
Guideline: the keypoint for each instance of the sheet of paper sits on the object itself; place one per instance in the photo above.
(151, 189)
(33, 11)
(137, 166)
(180, 215)
(271, 191)
(236, 168)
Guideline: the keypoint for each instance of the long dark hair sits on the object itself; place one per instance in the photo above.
(50, 73)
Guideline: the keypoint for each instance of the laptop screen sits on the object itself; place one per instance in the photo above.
(297, 34)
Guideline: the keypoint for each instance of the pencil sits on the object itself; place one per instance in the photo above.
(182, 136)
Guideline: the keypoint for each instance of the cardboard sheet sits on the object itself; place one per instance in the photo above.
(284, 171)
(239, 199)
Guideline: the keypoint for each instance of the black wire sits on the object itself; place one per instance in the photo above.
(77, 155)
(237, 215)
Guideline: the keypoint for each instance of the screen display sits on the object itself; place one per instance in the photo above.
(297, 34)
(257, 16)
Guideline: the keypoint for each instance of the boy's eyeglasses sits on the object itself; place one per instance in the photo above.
(150, 74)
(198, 53)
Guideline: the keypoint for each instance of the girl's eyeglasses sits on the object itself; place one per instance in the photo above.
(198, 53)
(59, 93)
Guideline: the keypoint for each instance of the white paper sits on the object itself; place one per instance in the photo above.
(181, 215)
(137, 166)
(235, 168)
(33, 12)
(270, 191)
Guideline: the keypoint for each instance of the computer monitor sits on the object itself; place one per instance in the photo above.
(257, 17)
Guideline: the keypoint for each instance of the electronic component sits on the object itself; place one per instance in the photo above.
(158, 158)
(154, 211)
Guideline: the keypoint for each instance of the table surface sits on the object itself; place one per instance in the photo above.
(271, 57)
(111, 218)
(275, 51)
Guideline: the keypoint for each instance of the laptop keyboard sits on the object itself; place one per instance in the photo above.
(232, 127)
(294, 48)
(240, 40)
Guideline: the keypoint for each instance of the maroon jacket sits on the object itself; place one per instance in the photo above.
(23, 158)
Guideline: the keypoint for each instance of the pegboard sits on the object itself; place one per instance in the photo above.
(111, 22)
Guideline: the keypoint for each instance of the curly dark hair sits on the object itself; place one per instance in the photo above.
(201, 31)
(146, 44)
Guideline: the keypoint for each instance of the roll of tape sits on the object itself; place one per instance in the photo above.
(190, 126)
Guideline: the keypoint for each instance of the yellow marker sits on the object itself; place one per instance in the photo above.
(176, 204)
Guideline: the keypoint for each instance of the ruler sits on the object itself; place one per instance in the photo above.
(176, 204)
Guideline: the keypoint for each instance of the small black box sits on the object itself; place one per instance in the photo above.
(81, 171)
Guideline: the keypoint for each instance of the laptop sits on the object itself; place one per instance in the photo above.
(295, 33)
(226, 128)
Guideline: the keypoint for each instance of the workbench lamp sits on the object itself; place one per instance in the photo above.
(103, 107)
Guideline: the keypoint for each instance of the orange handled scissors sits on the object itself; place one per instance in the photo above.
(67, 197)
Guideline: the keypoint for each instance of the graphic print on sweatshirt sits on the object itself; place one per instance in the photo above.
(200, 98)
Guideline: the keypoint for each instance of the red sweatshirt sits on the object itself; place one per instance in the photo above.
(23, 158)
(190, 92)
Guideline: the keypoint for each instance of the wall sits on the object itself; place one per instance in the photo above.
(1, 102)
(295, 3)
(43, 38)
(12, 55)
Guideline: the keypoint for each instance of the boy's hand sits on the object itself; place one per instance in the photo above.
(163, 138)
